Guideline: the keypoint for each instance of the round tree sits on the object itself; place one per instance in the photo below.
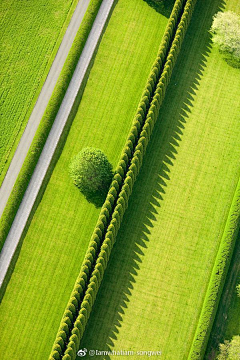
(226, 33)
(92, 174)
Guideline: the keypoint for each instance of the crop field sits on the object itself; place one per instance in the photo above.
(30, 35)
(156, 280)
(56, 241)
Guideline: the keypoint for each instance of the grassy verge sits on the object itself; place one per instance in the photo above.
(46, 123)
(217, 279)
(226, 324)
(163, 257)
(26, 62)
(53, 250)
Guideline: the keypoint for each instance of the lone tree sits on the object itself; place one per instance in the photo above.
(226, 33)
(92, 174)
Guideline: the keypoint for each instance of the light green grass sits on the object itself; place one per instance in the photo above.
(154, 287)
(56, 241)
(31, 33)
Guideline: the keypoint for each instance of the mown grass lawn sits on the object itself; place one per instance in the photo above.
(30, 35)
(56, 241)
(154, 286)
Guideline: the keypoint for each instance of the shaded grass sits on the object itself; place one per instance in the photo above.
(56, 241)
(30, 36)
(154, 287)
(163, 7)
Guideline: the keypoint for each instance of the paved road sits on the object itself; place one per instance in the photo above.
(54, 136)
(41, 103)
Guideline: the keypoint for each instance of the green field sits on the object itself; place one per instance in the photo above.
(155, 283)
(56, 241)
(30, 36)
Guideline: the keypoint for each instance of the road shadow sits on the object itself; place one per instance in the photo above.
(162, 7)
(228, 308)
(133, 238)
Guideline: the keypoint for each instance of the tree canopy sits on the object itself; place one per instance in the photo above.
(230, 350)
(226, 33)
(92, 173)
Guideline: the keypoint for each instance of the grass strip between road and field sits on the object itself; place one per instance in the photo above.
(91, 274)
(46, 123)
(217, 279)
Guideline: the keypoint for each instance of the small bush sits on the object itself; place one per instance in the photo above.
(92, 174)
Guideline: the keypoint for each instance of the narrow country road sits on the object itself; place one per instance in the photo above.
(29, 198)
(41, 104)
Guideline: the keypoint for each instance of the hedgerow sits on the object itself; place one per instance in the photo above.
(47, 121)
(217, 279)
(95, 262)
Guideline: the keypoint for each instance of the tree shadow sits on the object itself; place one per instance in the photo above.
(132, 241)
(162, 7)
(231, 60)
(97, 198)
